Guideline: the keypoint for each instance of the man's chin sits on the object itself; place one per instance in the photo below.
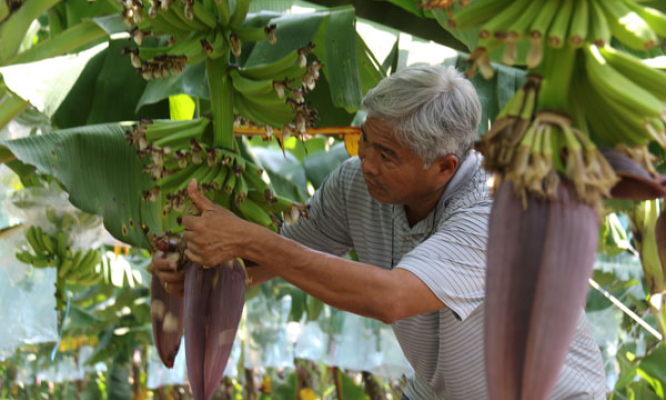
(378, 194)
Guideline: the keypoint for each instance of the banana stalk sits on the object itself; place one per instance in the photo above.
(222, 101)
(534, 293)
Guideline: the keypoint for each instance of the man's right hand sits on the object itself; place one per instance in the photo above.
(166, 269)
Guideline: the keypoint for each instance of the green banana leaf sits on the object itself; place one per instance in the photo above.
(102, 174)
(191, 82)
(108, 90)
(15, 26)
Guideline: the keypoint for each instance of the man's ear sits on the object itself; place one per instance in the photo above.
(446, 166)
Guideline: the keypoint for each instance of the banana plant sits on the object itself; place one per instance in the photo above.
(258, 67)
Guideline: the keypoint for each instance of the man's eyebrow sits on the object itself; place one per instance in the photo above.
(390, 152)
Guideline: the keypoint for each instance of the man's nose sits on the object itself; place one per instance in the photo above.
(368, 162)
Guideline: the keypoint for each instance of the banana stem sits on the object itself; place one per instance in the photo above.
(557, 70)
(222, 101)
(11, 107)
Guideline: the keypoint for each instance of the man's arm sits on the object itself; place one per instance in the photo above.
(348, 285)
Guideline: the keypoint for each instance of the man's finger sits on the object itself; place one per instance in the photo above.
(199, 200)
(189, 221)
(172, 276)
(175, 289)
(191, 236)
(193, 257)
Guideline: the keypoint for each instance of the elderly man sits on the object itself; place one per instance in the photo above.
(414, 205)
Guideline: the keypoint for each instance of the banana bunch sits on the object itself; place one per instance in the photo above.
(177, 155)
(273, 95)
(556, 23)
(624, 99)
(195, 30)
(525, 145)
(49, 251)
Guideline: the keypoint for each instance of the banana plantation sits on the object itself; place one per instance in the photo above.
(109, 109)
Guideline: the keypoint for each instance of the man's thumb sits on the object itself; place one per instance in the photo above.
(199, 200)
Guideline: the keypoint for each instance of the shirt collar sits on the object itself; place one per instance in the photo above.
(462, 175)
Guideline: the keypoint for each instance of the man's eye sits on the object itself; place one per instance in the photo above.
(384, 157)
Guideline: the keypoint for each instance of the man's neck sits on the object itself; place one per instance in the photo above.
(418, 211)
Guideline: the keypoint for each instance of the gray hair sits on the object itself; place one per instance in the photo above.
(433, 110)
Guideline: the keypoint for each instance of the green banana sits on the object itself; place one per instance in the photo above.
(31, 235)
(42, 262)
(172, 19)
(65, 267)
(476, 13)
(653, 17)
(274, 70)
(599, 30)
(61, 244)
(645, 76)
(250, 87)
(634, 32)
(181, 139)
(247, 110)
(160, 129)
(193, 24)
(520, 27)
(220, 178)
(252, 175)
(230, 182)
(254, 213)
(204, 15)
(24, 257)
(250, 33)
(223, 11)
(242, 7)
(545, 18)
(613, 84)
(557, 33)
(503, 18)
(48, 244)
(579, 23)
(39, 235)
(240, 190)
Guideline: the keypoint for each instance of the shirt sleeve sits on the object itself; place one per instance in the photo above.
(327, 228)
(452, 262)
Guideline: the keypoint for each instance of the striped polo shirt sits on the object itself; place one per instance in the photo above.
(446, 250)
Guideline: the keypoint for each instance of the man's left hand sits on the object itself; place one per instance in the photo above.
(216, 235)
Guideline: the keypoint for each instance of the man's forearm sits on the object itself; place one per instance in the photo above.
(351, 286)
(258, 274)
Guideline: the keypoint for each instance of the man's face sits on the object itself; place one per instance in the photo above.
(392, 172)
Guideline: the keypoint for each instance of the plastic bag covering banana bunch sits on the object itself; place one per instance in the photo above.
(58, 236)
(554, 23)
(535, 287)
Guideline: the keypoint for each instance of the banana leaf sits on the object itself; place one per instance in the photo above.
(102, 174)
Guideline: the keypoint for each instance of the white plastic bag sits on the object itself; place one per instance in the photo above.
(30, 305)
